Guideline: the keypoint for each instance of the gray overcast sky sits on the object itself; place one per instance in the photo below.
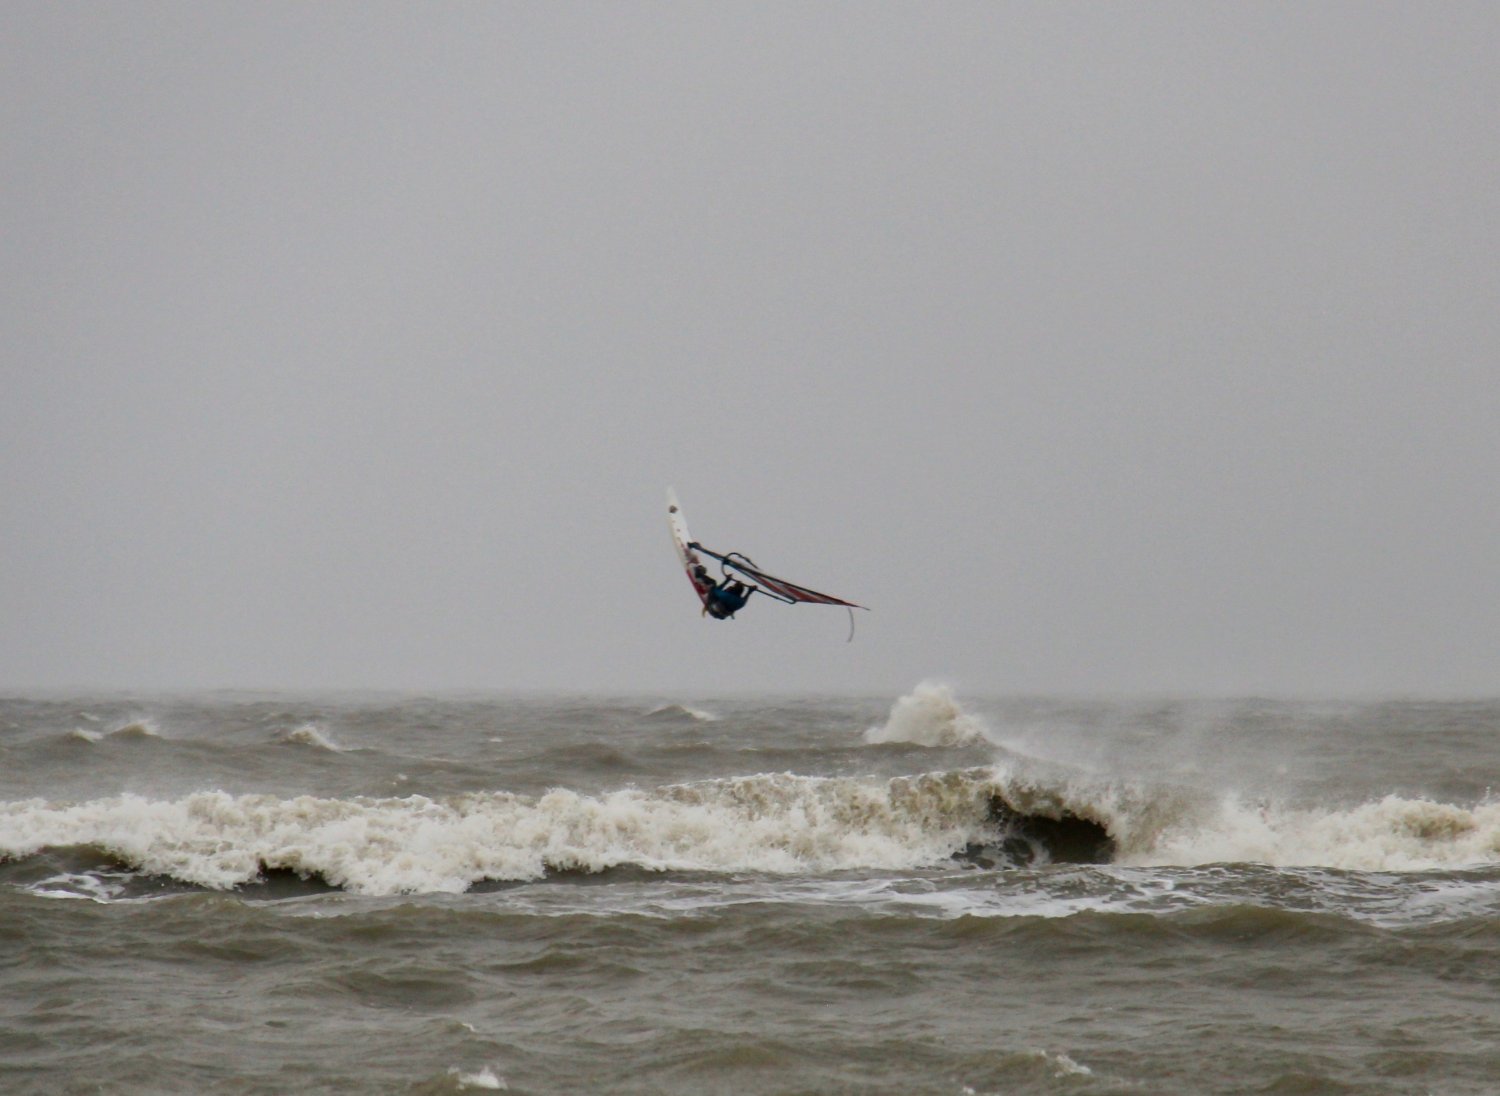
(1101, 347)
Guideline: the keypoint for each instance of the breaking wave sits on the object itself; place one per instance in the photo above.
(1000, 816)
(928, 716)
(1390, 834)
(775, 823)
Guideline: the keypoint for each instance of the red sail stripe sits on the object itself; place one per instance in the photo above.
(793, 591)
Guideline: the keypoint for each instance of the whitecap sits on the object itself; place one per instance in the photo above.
(1393, 833)
(485, 1078)
(668, 713)
(1064, 1066)
(310, 734)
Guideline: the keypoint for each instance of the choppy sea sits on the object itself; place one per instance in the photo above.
(919, 893)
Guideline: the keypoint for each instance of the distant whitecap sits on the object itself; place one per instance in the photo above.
(309, 734)
(672, 713)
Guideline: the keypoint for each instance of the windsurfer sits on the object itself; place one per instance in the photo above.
(721, 600)
(725, 599)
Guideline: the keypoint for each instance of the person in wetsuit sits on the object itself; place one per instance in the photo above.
(721, 600)
(726, 598)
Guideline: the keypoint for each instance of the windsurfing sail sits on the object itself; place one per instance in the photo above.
(741, 566)
(770, 585)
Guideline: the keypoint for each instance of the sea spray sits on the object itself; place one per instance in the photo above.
(928, 716)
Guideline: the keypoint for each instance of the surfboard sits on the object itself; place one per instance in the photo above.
(691, 563)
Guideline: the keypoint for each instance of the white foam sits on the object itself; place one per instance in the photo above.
(1390, 834)
(485, 1078)
(1064, 1066)
(929, 716)
(95, 887)
(770, 823)
(83, 734)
